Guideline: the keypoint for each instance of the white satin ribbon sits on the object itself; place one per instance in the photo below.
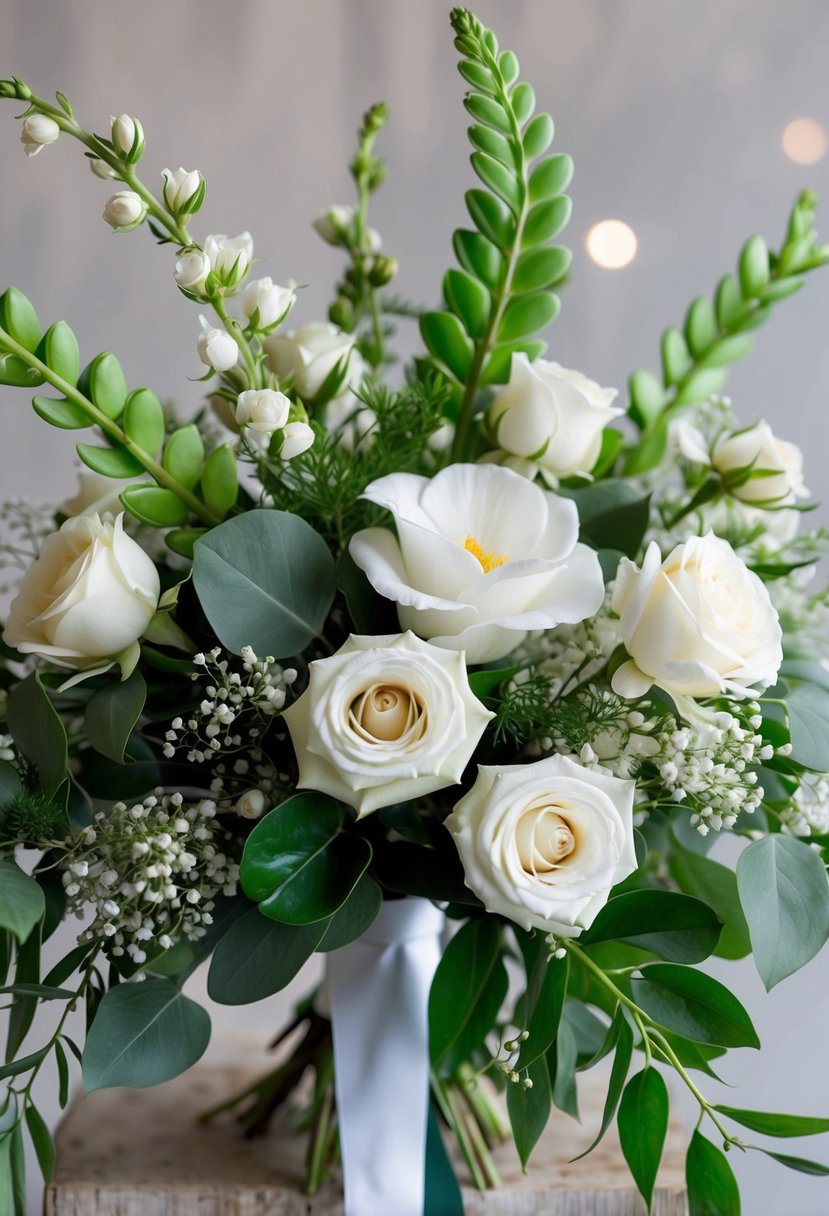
(378, 988)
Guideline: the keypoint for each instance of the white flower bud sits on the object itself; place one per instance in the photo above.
(262, 411)
(36, 132)
(230, 256)
(271, 302)
(192, 268)
(127, 137)
(183, 191)
(217, 349)
(297, 438)
(124, 210)
(252, 804)
(336, 227)
(101, 169)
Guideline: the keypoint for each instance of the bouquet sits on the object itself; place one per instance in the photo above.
(454, 672)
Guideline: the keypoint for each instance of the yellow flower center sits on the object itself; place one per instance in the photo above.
(489, 561)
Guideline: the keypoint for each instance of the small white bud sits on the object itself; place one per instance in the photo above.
(192, 268)
(217, 349)
(183, 190)
(127, 137)
(270, 302)
(124, 209)
(37, 131)
(297, 438)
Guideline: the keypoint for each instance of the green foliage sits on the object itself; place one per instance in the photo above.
(303, 860)
(143, 1034)
(544, 999)
(112, 713)
(22, 904)
(693, 1005)
(355, 917)
(695, 359)
(712, 1187)
(776, 1125)
(264, 579)
(619, 1041)
(529, 1109)
(676, 927)
(467, 992)
(612, 515)
(38, 731)
(258, 957)
(716, 885)
(643, 1126)
(785, 898)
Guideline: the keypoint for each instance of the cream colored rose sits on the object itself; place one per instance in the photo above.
(311, 354)
(384, 720)
(758, 448)
(550, 418)
(87, 599)
(544, 843)
(699, 624)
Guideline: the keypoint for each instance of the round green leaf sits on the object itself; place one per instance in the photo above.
(57, 411)
(445, 339)
(302, 861)
(538, 136)
(22, 903)
(59, 350)
(154, 505)
(676, 359)
(491, 217)
(479, 256)
(545, 220)
(700, 326)
(692, 1004)
(264, 579)
(500, 179)
(184, 455)
(489, 111)
(110, 462)
(144, 420)
(18, 318)
(220, 481)
(525, 315)
(727, 301)
(728, 350)
(523, 101)
(143, 1034)
(103, 382)
(550, 176)
(647, 397)
(543, 267)
(753, 266)
(468, 299)
(258, 957)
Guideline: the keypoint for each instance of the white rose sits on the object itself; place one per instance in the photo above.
(181, 188)
(230, 256)
(551, 417)
(297, 437)
(544, 843)
(262, 411)
(96, 495)
(384, 720)
(759, 448)
(481, 557)
(251, 805)
(311, 354)
(271, 302)
(37, 131)
(124, 209)
(216, 347)
(699, 624)
(192, 268)
(127, 136)
(87, 598)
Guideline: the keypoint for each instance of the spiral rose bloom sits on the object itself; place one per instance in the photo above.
(758, 448)
(87, 598)
(481, 557)
(544, 843)
(699, 624)
(384, 720)
(551, 419)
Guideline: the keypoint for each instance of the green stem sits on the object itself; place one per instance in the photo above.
(110, 428)
(320, 1137)
(236, 332)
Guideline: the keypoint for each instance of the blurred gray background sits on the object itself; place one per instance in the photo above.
(674, 113)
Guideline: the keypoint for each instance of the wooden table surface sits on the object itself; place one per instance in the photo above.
(142, 1153)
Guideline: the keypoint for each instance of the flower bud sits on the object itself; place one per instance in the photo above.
(334, 224)
(128, 138)
(125, 209)
(37, 131)
(192, 268)
(383, 270)
(251, 805)
(101, 169)
(263, 411)
(341, 313)
(217, 349)
(230, 256)
(266, 304)
(297, 437)
(183, 191)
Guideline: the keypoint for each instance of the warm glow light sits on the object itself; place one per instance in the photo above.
(804, 141)
(611, 244)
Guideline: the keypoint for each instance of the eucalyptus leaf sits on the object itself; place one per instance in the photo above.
(38, 731)
(694, 1005)
(112, 713)
(22, 903)
(676, 927)
(257, 957)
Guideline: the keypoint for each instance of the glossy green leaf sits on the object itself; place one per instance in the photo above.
(489, 111)
(265, 579)
(523, 101)
(220, 481)
(753, 266)
(650, 451)
(10, 785)
(112, 713)
(537, 268)
(15, 372)
(545, 220)
(546, 990)
(26, 975)
(694, 1005)
(562, 1059)
(492, 144)
(783, 892)
(143, 420)
(677, 927)
(619, 1040)
(257, 957)
(802, 1164)
(59, 350)
(303, 860)
(445, 339)
(676, 359)
(479, 256)
(643, 1126)
(499, 179)
(477, 75)
(184, 455)
(527, 314)
(143, 1034)
(491, 217)
(57, 411)
(529, 1109)
(154, 505)
(716, 885)
(110, 462)
(38, 731)
(355, 917)
(42, 1141)
(768, 1124)
(183, 540)
(467, 992)
(468, 299)
(18, 318)
(712, 1187)
(22, 902)
(700, 326)
(103, 382)
(538, 136)
(550, 176)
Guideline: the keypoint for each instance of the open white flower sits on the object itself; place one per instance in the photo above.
(87, 598)
(384, 720)
(544, 843)
(181, 188)
(551, 418)
(481, 557)
(268, 301)
(777, 465)
(262, 411)
(230, 256)
(699, 624)
(311, 354)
